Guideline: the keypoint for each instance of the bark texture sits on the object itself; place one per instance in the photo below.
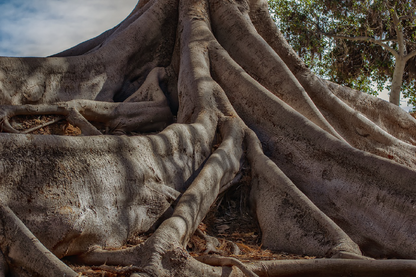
(171, 104)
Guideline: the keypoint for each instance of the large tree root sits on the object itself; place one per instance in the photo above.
(175, 232)
(306, 144)
(313, 188)
(334, 268)
(361, 128)
(3, 265)
(117, 118)
(291, 210)
(145, 110)
(23, 249)
(226, 261)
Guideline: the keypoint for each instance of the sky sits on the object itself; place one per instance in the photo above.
(45, 27)
(40, 28)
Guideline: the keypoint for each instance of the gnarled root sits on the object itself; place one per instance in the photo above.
(312, 191)
(285, 214)
(211, 243)
(145, 110)
(226, 261)
(334, 268)
(124, 117)
(3, 265)
(24, 250)
(97, 256)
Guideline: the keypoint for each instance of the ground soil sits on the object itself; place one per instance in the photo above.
(62, 127)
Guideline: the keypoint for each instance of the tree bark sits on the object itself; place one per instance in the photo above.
(173, 103)
(396, 83)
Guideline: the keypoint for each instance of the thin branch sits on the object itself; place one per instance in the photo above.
(42, 125)
(410, 42)
(77, 119)
(366, 39)
(399, 31)
(388, 5)
(6, 126)
(410, 15)
(407, 17)
(388, 40)
(410, 55)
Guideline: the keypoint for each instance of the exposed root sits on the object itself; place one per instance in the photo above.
(226, 261)
(318, 233)
(194, 204)
(233, 182)
(335, 268)
(23, 249)
(3, 265)
(75, 118)
(378, 136)
(261, 61)
(140, 275)
(130, 256)
(220, 167)
(118, 271)
(211, 243)
(348, 255)
(312, 192)
(308, 145)
(125, 117)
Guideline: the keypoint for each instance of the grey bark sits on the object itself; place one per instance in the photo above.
(396, 83)
(217, 86)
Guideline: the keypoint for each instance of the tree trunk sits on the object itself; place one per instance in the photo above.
(175, 104)
(396, 83)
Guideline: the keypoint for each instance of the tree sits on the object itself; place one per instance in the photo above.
(221, 92)
(356, 43)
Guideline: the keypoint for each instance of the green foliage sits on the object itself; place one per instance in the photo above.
(310, 27)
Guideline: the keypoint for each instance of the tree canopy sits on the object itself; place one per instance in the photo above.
(356, 43)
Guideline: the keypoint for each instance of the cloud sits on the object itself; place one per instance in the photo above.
(45, 27)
